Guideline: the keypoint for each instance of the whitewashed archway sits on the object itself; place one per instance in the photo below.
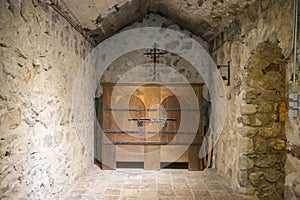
(105, 53)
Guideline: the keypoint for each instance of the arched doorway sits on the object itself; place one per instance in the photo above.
(134, 67)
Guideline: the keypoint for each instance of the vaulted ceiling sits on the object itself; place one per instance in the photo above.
(100, 19)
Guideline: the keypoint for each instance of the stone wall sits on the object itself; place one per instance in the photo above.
(118, 55)
(136, 67)
(40, 52)
(262, 164)
(257, 134)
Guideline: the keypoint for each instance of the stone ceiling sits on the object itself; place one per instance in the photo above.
(100, 19)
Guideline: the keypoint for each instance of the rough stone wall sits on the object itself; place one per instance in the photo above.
(136, 58)
(252, 149)
(262, 164)
(136, 67)
(156, 20)
(103, 18)
(40, 52)
(115, 53)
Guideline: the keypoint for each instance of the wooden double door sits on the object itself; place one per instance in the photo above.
(152, 123)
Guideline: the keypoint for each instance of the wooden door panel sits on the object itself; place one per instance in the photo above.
(152, 152)
(174, 153)
(132, 132)
(170, 104)
(151, 141)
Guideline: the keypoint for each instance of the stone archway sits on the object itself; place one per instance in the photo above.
(262, 162)
(135, 67)
(106, 52)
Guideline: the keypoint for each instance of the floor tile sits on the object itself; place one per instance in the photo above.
(203, 198)
(148, 186)
(129, 198)
(198, 186)
(183, 198)
(166, 184)
(183, 192)
(131, 186)
(130, 192)
(181, 186)
(148, 193)
(197, 192)
(220, 194)
(112, 192)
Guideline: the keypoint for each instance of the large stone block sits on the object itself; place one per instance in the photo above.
(261, 119)
(256, 178)
(260, 145)
(272, 175)
(278, 144)
(256, 120)
(251, 93)
(266, 107)
(270, 95)
(272, 80)
(246, 120)
(247, 131)
(266, 161)
(273, 130)
(248, 109)
(268, 191)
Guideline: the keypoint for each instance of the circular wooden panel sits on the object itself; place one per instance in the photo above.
(121, 118)
(171, 109)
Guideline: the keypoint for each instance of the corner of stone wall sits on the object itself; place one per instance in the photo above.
(41, 154)
(258, 96)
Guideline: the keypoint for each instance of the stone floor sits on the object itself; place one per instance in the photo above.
(168, 184)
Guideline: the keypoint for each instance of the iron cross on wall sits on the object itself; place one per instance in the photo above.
(155, 54)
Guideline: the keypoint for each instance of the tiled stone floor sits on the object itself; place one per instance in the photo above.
(168, 184)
